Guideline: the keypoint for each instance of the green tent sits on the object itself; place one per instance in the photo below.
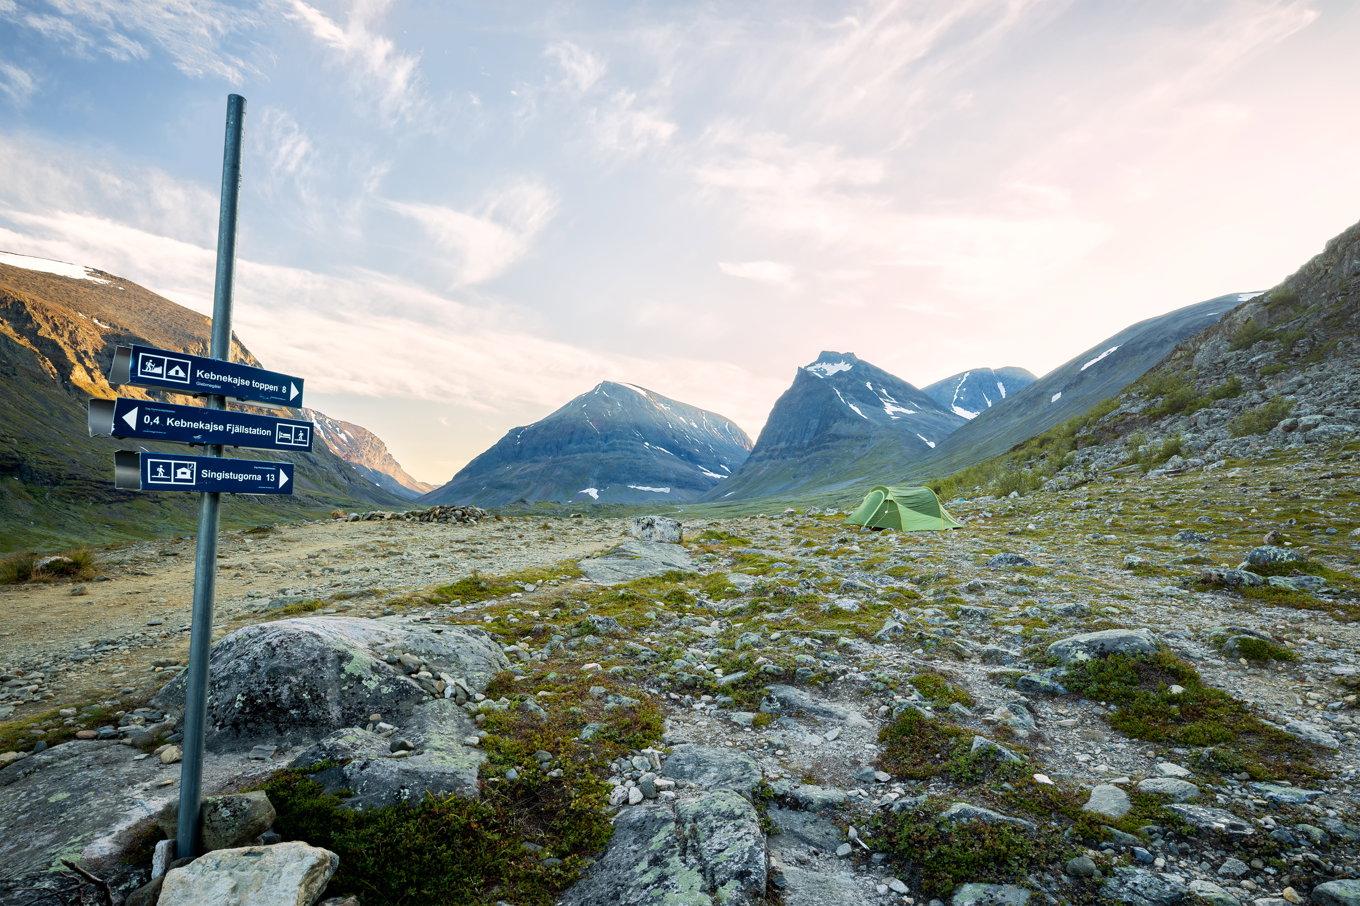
(904, 509)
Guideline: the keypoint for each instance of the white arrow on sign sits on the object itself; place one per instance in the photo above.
(292, 391)
(131, 418)
(283, 478)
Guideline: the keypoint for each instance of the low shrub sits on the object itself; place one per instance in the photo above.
(1261, 419)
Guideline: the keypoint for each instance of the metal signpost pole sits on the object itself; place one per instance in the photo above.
(205, 559)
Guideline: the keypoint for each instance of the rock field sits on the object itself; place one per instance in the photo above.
(1139, 690)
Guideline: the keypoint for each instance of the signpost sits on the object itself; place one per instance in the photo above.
(194, 425)
(147, 471)
(214, 377)
(146, 366)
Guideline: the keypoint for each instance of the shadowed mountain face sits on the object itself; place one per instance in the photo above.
(366, 451)
(59, 324)
(1070, 389)
(838, 410)
(618, 443)
(971, 392)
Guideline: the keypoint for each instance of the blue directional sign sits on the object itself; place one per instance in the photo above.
(146, 366)
(147, 471)
(193, 425)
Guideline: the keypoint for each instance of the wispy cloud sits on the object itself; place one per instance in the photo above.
(375, 63)
(16, 84)
(580, 69)
(486, 241)
(771, 272)
(193, 35)
(622, 126)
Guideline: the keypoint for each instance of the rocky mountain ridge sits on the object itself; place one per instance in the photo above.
(838, 411)
(616, 443)
(366, 451)
(972, 392)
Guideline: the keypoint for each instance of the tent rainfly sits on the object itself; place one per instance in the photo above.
(903, 509)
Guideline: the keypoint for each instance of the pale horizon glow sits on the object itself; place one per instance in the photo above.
(505, 207)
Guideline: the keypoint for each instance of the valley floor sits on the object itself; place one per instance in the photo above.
(847, 676)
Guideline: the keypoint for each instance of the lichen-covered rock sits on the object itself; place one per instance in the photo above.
(1268, 554)
(661, 529)
(712, 769)
(285, 874)
(989, 895)
(1337, 893)
(298, 680)
(1001, 561)
(228, 821)
(1090, 645)
(1214, 820)
(636, 560)
(704, 850)
(1140, 887)
(92, 801)
(361, 765)
(1108, 801)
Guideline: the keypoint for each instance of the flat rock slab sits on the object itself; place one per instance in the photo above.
(297, 680)
(705, 850)
(285, 874)
(712, 769)
(636, 560)
(990, 895)
(827, 887)
(90, 800)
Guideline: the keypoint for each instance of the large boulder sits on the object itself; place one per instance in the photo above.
(1091, 645)
(704, 850)
(636, 560)
(656, 528)
(294, 681)
(285, 874)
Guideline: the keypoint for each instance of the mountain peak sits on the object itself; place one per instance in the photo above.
(829, 363)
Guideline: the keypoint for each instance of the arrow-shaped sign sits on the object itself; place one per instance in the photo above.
(150, 471)
(131, 418)
(181, 372)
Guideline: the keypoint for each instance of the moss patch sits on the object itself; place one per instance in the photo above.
(1146, 708)
(940, 690)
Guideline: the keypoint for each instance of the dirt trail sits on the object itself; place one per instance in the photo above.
(138, 613)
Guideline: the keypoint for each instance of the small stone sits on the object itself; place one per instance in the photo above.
(1108, 800)
(171, 754)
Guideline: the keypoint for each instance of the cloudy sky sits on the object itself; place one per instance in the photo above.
(456, 215)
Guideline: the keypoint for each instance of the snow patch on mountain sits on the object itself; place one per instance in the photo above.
(1099, 357)
(593, 492)
(826, 369)
(643, 487)
(48, 266)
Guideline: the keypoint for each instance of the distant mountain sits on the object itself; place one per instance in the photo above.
(971, 392)
(1069, 390)
(618, 443)
(59, 324)
(366, 451)
(839, 411)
